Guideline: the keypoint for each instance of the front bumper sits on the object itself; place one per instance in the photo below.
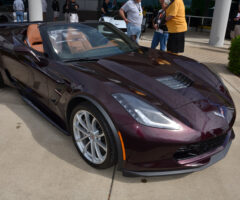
(190, 165)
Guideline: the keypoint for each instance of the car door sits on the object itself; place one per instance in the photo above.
(47, 85)
(16, 63)
(38, 81)
(57, 86)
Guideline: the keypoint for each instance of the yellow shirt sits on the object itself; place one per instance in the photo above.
(178, 24)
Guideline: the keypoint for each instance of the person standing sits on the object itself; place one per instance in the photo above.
(73, 11)
(56, 9)
(236, 31)
(66, 11)
(161, 31)
(25, 2)
(18, 7)
(44, 10)
(105, 7)
(177, 26)
(134, 11)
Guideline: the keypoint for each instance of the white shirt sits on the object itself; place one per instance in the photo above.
(134, 12)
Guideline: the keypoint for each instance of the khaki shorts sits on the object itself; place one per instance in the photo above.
(73, 18)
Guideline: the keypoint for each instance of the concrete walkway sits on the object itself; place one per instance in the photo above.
(38, 162)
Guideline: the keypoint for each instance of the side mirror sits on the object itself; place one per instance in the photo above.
(43, 62)
(40, 60)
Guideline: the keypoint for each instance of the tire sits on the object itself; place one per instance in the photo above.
(95, 135)
(1, 81)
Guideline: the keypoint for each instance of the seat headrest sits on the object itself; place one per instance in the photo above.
(77, 41)
(34, 38)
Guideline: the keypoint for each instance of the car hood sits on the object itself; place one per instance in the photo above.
(175, 83)
(175, 80)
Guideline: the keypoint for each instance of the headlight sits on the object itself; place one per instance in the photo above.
(229, 113)
(144, 113)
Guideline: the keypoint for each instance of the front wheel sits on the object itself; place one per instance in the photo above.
(92, 136)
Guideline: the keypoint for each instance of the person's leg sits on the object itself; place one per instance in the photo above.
(134, 37)
(170, 43)
(130, 31)
(133, 32)
(22, 16)
(155, 40)
(166, 35)
(44, 16)
(69, 15)
(54, 16)
(75, 18)
(71, 18)
(138, 33)
(163, 41)
(178, 43)
(181, 42)
(65, 17)
(17, 16)
(237, 30)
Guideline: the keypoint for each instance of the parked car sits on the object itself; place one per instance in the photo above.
(150, 112)
(118, 22)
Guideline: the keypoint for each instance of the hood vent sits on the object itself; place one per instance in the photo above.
(176, 82)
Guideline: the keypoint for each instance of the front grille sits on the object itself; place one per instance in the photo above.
(197, 149)
(176, 82)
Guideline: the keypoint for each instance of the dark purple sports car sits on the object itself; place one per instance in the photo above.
(150, 112)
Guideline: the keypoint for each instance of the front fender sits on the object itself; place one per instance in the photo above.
(117, 138)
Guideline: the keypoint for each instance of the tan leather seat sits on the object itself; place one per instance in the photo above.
(34, 39)
(77, 41)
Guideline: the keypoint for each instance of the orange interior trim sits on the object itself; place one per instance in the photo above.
(34, 39)
(139, 93)
(123, 147)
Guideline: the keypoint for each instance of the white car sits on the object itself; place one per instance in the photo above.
(120, 23)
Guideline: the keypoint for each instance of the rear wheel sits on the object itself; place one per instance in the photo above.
(92, 136)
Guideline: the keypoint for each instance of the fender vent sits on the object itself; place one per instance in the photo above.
(176, 82)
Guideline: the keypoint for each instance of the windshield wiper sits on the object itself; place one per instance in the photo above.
(82, 60)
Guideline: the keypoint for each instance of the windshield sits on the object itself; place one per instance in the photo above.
(80, 41)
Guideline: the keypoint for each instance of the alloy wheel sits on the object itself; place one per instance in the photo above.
(90, 137)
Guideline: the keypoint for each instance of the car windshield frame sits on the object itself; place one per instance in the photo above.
(45, 28)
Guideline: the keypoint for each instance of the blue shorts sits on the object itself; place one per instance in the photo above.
(133, 29)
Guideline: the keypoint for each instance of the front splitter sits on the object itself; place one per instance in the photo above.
(214, 159)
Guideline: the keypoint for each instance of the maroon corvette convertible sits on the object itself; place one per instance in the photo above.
(150, 112)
